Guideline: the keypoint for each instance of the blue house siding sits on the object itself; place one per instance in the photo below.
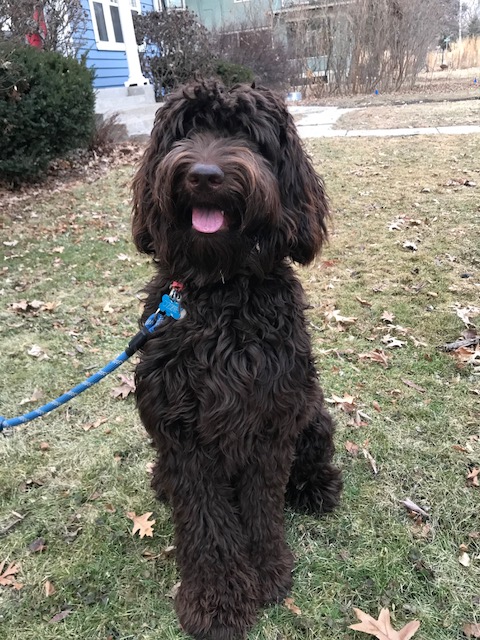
(111, 68)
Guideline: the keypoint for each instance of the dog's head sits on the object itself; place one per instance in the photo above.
(225, 185)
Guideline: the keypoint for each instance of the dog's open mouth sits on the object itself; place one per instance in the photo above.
(207, 220)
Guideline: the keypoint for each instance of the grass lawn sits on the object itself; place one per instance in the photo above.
(70, 478)
(441, 114)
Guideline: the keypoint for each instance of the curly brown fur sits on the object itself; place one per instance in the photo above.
(224, 199)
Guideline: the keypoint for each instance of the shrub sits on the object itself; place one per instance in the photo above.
(46, 109)
(255, 47)
(231, 73)
(177, 48)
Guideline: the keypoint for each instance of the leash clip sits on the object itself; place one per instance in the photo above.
(171, 303)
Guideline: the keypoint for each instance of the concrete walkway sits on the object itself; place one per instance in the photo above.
(317, 122)
(312, 122)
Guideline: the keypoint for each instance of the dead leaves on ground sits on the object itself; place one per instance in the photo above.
(291, 606)
(382, 628)
(126, 387)
(142, 524)
(472, 630)
(466, 349)
(7, 575)
(377, 355)
(33, 307)
(354, 449)
(472, 477)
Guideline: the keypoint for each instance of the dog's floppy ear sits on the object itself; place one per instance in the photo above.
(303, 197)
(149, 223)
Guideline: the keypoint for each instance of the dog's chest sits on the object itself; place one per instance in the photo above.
(238, 358)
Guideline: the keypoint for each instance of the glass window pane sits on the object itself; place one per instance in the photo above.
(100, 19)
(117, 26)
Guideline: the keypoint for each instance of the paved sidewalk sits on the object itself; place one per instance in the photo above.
(317, 122)
(312, 122)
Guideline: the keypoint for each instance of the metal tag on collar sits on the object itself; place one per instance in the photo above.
(171, 304)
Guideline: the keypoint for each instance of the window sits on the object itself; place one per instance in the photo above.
(107, 24)
(175, 4)
(135, 7)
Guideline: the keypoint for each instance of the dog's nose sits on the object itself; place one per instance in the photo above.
(205, 175)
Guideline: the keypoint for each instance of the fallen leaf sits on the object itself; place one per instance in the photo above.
(174, 590)
(376, 406)
(464, 314)
(142, 524)
(382, 628)
(335, 315)
(126, 388)
(464, 559)
(472, 478)
(61, 615)
(392, 342)
(352, 448)
(94, 425)
(368, 456)
(411, 384)
(377, 355)
(411, 506)
(35, 397)
(44, 446)
(109, 508)
(326, 264)
(468, 355)
(37, 546)
(472, 630)
(347, 403)
(49, 589)
(387, 316)
(169, 551)
(291, 606)
(365, 303)
(37, 352)
(7, 575)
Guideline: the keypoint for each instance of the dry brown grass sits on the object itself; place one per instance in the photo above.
(441, 114)
(73, 248)
(461, 55)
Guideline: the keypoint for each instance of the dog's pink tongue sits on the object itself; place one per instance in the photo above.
(207, 220)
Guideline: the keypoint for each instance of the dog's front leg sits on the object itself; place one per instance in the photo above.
(261, 491)
(218, 597)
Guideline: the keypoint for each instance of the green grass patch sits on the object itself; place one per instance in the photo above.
(71, 249)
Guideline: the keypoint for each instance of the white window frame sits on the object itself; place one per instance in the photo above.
(174, 8)
(238, 1)
(110, 44)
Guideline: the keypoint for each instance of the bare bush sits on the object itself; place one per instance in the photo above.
(176, 46)
(256, 47)
(56, 25)
(364, 45)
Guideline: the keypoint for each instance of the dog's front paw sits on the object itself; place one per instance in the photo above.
(215, 614)
(276, 579)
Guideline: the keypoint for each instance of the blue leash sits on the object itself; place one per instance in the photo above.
(168, 307)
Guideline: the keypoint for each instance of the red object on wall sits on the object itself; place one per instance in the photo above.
(35, 39)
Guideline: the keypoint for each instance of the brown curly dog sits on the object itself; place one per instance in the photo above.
(225, 199)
